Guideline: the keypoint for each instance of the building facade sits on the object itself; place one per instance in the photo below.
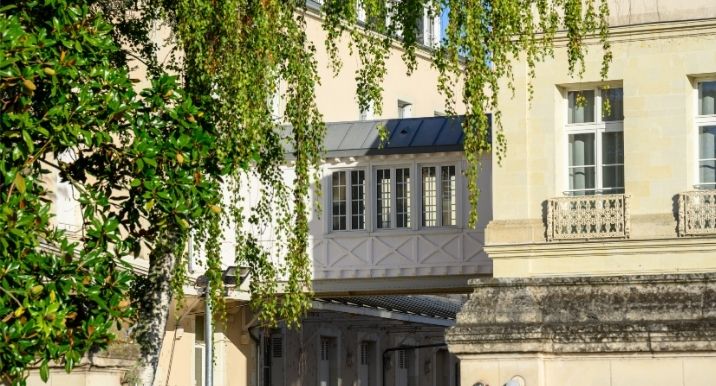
(603, 238)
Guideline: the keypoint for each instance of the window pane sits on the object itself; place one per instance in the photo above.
(613, 179)
(707, 98)
(338, 201)
(402, 197)
(707, 172)
(581, 106)
(383, 197)
(429, 199)
(582, 178)
(613, 104)
(358, 199)
(447, 175)
(613, 148)
(707, 142)
(581, 149)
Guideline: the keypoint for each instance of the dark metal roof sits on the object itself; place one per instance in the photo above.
(408, 135)
(405, 136)
(424, 305)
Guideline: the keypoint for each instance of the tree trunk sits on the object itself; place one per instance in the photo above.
(155, 296)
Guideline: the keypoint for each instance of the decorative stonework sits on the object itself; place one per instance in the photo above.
(608, 314)
(697, 213)
(588, 217)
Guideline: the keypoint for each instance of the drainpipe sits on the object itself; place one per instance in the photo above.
(257, 343)
(209, 338)
(386, 351)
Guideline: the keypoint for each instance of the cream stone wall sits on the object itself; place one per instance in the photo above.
(594, 370)
(657, 62)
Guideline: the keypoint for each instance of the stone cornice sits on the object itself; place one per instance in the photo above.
(650, 31)
(603, 247)
(647, 313)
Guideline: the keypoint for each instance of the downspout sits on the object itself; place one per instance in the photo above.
(386, 351)
(257, 342)
(209, 338)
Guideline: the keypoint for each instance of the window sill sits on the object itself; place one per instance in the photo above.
(394, 232)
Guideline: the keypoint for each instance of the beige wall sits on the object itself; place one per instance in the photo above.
(656, 64)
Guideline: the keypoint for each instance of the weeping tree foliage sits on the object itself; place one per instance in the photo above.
(176, 160)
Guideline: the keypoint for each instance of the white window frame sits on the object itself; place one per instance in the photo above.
(438, 175)
(405, 109)
(701, 120)
(349, 198)
(598, 128)
(429, 34)
(393, 196)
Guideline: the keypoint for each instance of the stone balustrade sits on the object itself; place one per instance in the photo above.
(697, 213)
(588, 217)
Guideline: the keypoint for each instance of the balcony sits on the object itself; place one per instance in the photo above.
(697, 213)
(588, 217)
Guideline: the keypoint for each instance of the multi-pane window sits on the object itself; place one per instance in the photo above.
(384, 197)
(447, 185)
(392, 204)
(392, 188)
(348, 200)
(402, 198)
(595, 141)
(706, 121)
(438, 201)
(430, 197)
(357, 199)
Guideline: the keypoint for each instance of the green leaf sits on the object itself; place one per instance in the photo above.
(19, 182)
(44, 371)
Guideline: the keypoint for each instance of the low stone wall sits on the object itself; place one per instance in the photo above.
(533, 325)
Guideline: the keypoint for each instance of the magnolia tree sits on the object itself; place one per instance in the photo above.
(153, 167)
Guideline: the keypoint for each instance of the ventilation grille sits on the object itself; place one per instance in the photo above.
(324, 349)
(277, 347)
(402, 359)
(364, 353)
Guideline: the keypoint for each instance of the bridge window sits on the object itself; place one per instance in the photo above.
(392, 187)
(439, 197)
(348, 200)
(392, 202)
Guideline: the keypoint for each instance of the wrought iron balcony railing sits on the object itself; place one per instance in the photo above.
(697, 213)
(588, 217)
